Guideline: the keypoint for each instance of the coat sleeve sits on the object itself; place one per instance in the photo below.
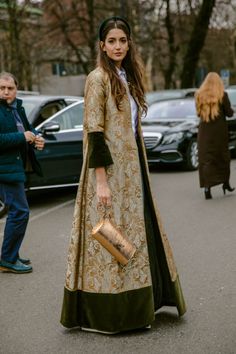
(13, 139)
(228, 111)
(94, 120)
(9, 140)
(98, 151)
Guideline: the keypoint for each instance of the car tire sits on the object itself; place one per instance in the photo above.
(3, 208)
(191, 162)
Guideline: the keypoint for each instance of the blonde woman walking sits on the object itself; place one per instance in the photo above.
(213, 106)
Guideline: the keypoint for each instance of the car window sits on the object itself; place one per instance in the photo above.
(232, 96)
(28, 106)
(172, 109)
(50, 109)
(71, 118)
(38, 110)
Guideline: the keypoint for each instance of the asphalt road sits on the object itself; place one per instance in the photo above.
(203, 237)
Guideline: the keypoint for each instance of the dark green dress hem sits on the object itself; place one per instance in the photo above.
(179, 297)
(108, 312)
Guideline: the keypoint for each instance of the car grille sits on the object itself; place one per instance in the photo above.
(151, 140)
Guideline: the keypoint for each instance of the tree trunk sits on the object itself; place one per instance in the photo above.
(168, 73)
(196, 43)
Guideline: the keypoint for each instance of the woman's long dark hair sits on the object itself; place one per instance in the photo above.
(131, 63)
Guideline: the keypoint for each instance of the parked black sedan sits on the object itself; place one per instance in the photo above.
(170, 133)
(62, 157)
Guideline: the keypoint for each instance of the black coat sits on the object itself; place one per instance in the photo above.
(13, 145)
(213, 151)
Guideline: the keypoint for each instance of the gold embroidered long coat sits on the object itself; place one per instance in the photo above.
(99, 292)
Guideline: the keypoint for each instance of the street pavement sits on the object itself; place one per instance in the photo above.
(203, 237)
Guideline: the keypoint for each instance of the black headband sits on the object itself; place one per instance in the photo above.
(114, 18)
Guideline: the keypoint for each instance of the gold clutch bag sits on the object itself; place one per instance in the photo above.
(114, 242)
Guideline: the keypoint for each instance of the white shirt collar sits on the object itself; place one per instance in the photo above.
(121, 72)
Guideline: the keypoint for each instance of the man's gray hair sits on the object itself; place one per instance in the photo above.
(6, 75)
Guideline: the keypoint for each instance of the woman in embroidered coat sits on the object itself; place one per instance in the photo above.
(100, 294)
(213, 105)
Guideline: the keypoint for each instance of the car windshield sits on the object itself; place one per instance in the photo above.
(156, 96)
(172, 109)
(162, 95)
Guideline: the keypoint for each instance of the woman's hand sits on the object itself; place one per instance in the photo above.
(103, 194)
(103, 190)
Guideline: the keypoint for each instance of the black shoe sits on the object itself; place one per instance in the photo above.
(226, 187)
(207, 192)
(25, 260)
(16, 267)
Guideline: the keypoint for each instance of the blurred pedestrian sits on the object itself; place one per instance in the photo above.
(101, 295)
(213, 106)
(17, 142)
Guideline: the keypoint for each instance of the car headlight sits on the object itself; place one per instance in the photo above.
(171, 138)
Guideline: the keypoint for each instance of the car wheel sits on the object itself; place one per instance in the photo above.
(191, 162)
(3, 208)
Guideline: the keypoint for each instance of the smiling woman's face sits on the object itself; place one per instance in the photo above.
(116, 45)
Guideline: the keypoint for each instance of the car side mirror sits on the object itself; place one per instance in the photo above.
(50, 128)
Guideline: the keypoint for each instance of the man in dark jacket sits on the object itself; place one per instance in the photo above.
(17, 142)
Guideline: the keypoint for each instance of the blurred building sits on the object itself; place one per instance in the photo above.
(51, 45)
(40, 61)
(18, 26)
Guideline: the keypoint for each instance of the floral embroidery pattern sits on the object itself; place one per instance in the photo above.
(90, 267)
